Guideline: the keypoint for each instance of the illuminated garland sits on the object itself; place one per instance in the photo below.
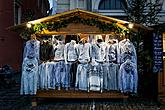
(55, 26)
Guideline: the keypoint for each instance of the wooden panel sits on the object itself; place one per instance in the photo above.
(76, 29)
(78, 94)
(79, 28)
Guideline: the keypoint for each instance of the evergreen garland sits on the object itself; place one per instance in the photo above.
(55, 26)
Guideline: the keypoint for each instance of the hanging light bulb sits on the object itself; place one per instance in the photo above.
(130, 25)
(28, 25)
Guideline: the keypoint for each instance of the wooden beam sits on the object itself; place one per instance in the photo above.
(78, 94)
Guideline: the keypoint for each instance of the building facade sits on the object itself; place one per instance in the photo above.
(111, 8)
(13, 12)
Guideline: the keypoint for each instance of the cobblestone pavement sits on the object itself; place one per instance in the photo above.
(97, 105)
(10, 99)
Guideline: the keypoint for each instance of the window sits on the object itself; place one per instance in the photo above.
(81, 4)
(17, 14)
(110, 5)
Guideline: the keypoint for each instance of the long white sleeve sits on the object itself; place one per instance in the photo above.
(66, 53)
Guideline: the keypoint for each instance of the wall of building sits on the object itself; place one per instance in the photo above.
(38, 7)
(65, 5)
(162, 12)
(11, 44)
(113, 13)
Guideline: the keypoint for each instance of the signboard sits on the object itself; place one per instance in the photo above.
(157, 52)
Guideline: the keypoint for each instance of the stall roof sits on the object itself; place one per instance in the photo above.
(83, 14)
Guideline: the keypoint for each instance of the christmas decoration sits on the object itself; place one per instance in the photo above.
(57, 25)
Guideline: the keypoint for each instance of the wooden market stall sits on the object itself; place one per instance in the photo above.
(78, 22)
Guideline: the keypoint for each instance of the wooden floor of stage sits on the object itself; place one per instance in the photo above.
(79, 94)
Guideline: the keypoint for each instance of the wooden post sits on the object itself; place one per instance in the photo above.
(34, 102)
